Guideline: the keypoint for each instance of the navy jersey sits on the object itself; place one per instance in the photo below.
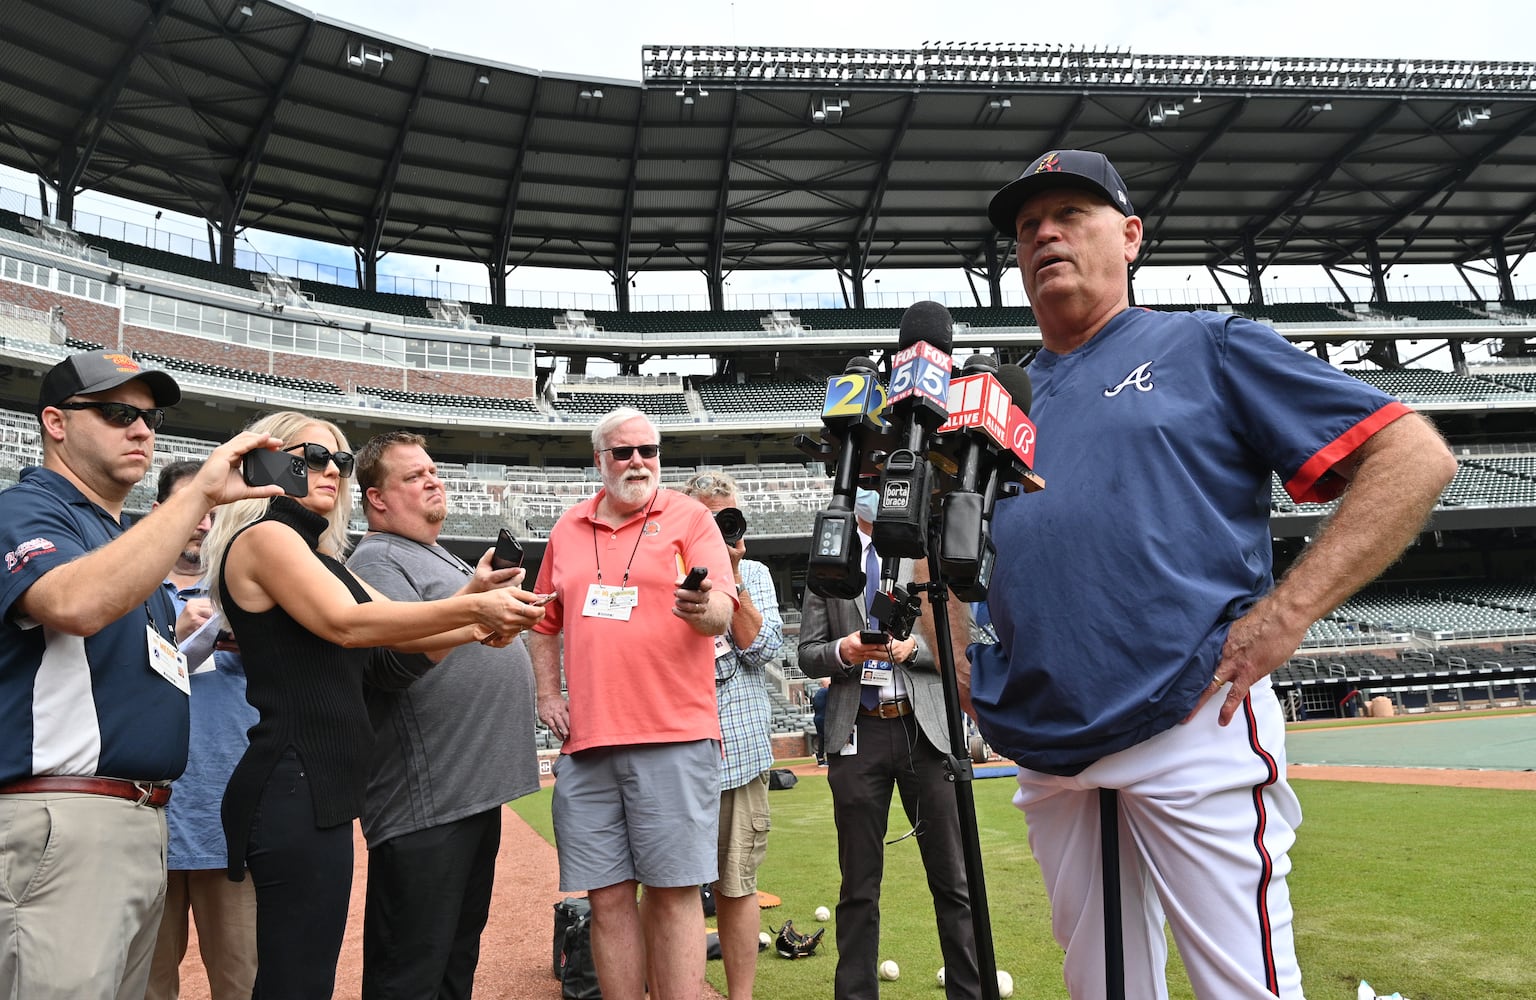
(71, 705)
(1116, 585)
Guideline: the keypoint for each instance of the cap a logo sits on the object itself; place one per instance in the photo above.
(123, 362)
(1050, 163)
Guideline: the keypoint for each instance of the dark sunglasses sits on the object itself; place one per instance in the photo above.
(119, 414)
(318, 456)
(625, 452)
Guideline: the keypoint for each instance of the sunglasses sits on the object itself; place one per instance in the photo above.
(119, 414)
(318, 456)
(625, 452)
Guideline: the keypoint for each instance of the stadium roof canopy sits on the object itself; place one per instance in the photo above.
(257, 114)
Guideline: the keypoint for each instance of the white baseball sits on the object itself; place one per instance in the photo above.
(822, 913)
(889, 971)
(763, 939)
(941, 975)
(1004, 984)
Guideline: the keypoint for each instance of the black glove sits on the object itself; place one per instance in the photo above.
(791, 944)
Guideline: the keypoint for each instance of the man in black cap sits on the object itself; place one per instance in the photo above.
(93, 693)
(1136, 641)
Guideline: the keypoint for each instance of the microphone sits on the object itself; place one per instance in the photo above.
(1021, 430)
(978, 425)
(852, 409)
(919, 403)
(996, 449)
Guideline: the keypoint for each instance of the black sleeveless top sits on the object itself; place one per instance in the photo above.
(310, 693)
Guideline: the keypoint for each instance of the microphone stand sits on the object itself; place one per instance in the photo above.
(957, 762)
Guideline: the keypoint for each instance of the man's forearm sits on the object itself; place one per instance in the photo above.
(87, 594)
(1400, 476)
(544, 654)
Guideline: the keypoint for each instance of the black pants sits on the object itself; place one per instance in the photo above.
(429, 894)
(303, 877)
(894, 753)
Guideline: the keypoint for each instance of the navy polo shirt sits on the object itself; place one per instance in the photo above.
(72, 705)
(1116, 585)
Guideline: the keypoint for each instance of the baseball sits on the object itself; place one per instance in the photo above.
(889, 971)
(941, 975)
(1004, 984)
(763, 939)
(822, 913)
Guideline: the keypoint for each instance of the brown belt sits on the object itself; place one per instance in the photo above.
(888, 710)
(145, 793)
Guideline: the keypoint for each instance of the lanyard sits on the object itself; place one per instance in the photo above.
(597, 559)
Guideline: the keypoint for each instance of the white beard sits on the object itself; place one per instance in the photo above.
(633, 492)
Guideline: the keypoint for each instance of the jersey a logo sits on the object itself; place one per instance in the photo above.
(1140, 380)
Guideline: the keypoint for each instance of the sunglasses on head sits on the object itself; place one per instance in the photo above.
(318, 456)
(119, 414)
(625, 452)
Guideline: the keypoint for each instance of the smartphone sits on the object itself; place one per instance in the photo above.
(508, 554)
(539, 600)
(694, 578)
(264, 467)
(869, 638)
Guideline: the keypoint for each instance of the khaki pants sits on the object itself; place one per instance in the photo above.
(225, 913)
(82, 882)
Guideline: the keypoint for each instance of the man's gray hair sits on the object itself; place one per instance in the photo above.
(614, 418)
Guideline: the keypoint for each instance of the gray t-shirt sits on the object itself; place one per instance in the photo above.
(460, 740)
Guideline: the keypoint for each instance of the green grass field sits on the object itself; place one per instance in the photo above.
(1422, 890)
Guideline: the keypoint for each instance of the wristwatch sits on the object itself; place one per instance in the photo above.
(741, 588)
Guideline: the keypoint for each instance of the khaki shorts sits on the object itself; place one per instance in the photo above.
(743, 836)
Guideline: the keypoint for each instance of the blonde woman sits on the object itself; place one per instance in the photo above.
(313, 637)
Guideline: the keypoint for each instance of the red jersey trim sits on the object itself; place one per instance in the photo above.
(1312, 484)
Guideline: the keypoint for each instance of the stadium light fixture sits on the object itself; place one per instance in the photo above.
(828, 110)
(1160, 112)
(1468, 115)
(366, 57)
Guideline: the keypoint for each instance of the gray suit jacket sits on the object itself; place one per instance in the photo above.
(822, 624)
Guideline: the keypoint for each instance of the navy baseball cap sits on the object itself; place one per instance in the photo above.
(1079, 168)
(98, 371)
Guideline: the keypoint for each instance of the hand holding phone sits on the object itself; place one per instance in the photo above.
(266, 467)
(539, 600)
(509, 552)
(694, 578)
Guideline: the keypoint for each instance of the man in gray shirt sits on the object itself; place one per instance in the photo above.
(451, 749)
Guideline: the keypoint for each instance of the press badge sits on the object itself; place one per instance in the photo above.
(166, 660)
(722, 646)
(610, 602)
(876, 673)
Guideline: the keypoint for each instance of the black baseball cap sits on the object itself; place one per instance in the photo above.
(1060, 168)
(98, 371)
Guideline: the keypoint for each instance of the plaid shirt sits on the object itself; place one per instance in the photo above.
(741, 690)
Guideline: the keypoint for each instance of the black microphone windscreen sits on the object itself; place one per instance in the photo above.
(928, 322)
(979, 363)
(860, 365)
(1016, 381)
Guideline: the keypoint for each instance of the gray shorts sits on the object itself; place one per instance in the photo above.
(647, 813)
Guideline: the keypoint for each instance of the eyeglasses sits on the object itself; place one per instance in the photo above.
(710, 484)
(625, 452)
(119, 414)
(318, 456)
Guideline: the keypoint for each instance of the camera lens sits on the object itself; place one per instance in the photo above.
(732, 524)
